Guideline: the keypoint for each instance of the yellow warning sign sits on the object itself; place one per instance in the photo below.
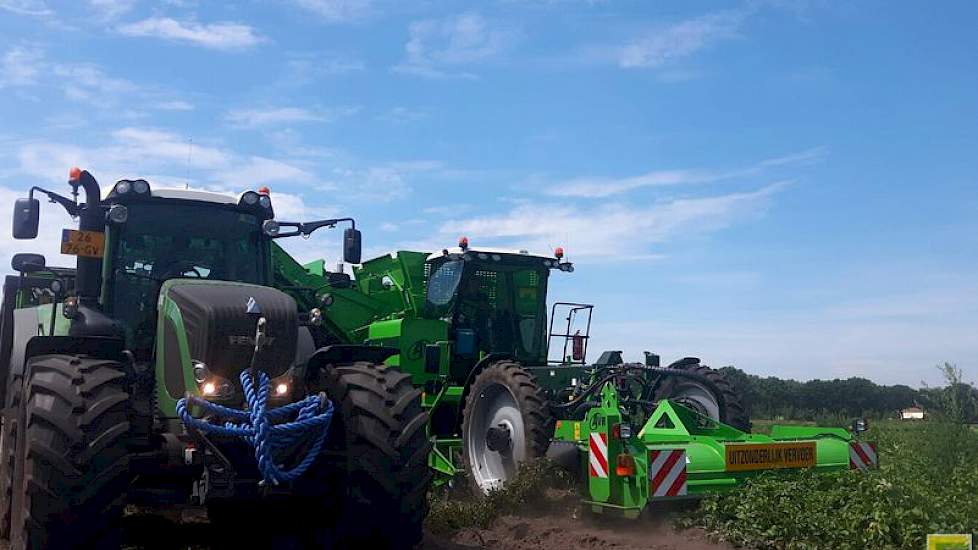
(949, 542)
(766, 456)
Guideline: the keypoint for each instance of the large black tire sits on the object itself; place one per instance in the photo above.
(8, 442)
(736, 410)
(537, 425)
(72, 465)
(381, 477)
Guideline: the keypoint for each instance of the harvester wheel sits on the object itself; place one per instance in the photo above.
(72, 462)
(506, 421)
(379, 433)
(8, 441)
(701, 398)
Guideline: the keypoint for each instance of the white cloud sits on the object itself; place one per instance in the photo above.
(305, 67)
(336, 11)
(89, 83)
(133, 152)
(175, 105)
(225, 36)
(260, 170)
(26, 65)
(253, 118)
(382, 183)
(599, 231)
(599, 187)
(109, 10)
(36, 8)
(665, 45)
(437, 48)
(20, 66)
(403, 115)
(162, 158)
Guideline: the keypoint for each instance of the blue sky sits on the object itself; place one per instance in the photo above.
(787, 186)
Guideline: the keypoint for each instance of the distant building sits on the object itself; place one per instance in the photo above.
(912, 413)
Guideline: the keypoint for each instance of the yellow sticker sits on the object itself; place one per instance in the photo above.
(577, 431)
(949, 542)
(765, 456)
(90, 244)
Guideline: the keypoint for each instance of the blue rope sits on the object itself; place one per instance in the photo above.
(257, 426)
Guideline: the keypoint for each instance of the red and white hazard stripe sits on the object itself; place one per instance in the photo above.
(667, 473)
(862, 455)
(598, 457)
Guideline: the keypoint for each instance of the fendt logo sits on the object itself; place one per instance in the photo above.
(236, 340)
(252, 307)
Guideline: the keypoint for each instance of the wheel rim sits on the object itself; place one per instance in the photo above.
(496, 439)
(698, 397)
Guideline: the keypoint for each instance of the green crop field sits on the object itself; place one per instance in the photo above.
(927, 483)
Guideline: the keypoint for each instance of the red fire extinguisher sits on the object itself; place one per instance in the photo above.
(578, 347)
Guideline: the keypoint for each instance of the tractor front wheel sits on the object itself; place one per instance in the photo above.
(506, 421)
(72, 463)
(381, 478)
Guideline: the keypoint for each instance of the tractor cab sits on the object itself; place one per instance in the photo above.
(157, 235)
(495, 301)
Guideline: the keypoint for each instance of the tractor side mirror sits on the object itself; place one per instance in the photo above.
(351, 246)
(27, 212)
(28, 263)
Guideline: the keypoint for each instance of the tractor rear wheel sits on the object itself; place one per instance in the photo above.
(72, 462)
(701, 398)
(380, 476)
(506, 421)
(8, 442)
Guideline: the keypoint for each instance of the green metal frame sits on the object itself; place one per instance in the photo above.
(674, 427)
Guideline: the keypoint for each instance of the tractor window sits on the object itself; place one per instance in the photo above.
(443, 283)
(166, 241)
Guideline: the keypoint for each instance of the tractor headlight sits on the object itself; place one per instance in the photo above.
(122, 187)
(118, 214)
(315, 317)
(281, 386)
(250, 198)
(271, 228)
(140, 186)
(211, 385)
(265, 201)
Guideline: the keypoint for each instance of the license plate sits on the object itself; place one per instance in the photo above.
(83, 243)
(766, 456)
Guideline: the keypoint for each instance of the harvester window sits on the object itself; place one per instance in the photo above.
(444, 282)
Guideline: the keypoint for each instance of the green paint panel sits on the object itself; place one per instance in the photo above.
(411, 336)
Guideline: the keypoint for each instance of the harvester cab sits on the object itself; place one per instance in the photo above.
(167, 367)
(495, 301)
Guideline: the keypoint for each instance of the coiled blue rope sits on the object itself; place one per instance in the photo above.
(255, 425)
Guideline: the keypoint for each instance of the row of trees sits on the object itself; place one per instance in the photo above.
(773, 397)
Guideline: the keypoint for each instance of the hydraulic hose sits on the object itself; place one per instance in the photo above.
(622, 369)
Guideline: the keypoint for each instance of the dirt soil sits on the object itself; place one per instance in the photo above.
(564, 523)
(547, 532)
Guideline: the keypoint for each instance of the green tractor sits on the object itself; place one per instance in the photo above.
(166, 368)
(472, 329)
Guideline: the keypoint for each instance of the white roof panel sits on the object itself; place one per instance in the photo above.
(500, 251)
(195, 195)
